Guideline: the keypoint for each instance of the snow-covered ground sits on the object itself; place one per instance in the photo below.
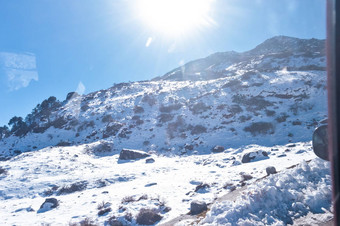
(168, 182)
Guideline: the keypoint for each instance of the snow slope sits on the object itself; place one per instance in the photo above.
(169, 180)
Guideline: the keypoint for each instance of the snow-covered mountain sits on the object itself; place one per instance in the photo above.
(278, 53)
(273, 94)
(232, 130)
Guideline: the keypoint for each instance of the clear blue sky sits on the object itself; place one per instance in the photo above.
(49, 48)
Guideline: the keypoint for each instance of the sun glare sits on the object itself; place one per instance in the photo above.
(175, 17)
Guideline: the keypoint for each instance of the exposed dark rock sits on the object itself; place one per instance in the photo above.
(114, 222)
(129, 154)
(197, 207)
(149, 160)
(270, 170)
(218, 149)
(246, 177)
(148, 217)
(189, 147)
(104, 211)
(68, 189)
(201, 187)
(150, 184)
(71, 95)
(64, 144)
(254, 156)
(49, 204)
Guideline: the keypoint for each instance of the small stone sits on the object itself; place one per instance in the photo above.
(197, 207)
(151, 184)
(270, 170)
(246, 177)
(149, 160)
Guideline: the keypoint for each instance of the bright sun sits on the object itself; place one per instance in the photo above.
(174, 17)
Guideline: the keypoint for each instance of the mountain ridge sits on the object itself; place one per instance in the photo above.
(278, 45)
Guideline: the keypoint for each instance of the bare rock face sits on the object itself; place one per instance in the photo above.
(197, 207)
(129, 154)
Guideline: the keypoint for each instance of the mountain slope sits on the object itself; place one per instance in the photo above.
(270, 95)
(261, 106)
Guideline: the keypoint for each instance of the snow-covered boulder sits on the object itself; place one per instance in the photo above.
(254, 156)
(49, 204)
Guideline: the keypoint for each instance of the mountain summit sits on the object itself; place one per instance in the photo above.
(273, 54)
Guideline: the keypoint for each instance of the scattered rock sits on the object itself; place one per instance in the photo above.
(287, 150)
(247, 158)
(189, 147)
(104, 211)
(270, 170)
(300, 151)
(217, 149)
(129, 154)
(254, 156)
(197, 207)
(291, 145)
(149, 160)
(114, 222)
(148, 217)
(49, 204)
(151, 184)
(229, 186)
(166, 209)
(246, 177)
(202, 187)
(282, 155)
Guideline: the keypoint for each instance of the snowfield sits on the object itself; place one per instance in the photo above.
(168, 182)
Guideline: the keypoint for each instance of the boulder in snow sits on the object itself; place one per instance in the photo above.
(129, 154)
(254, 156)
(217, 149)
(197, 207)
(49, 204)
(270, 170)
(149, 160)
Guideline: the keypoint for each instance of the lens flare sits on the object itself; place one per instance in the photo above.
(174, 17)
